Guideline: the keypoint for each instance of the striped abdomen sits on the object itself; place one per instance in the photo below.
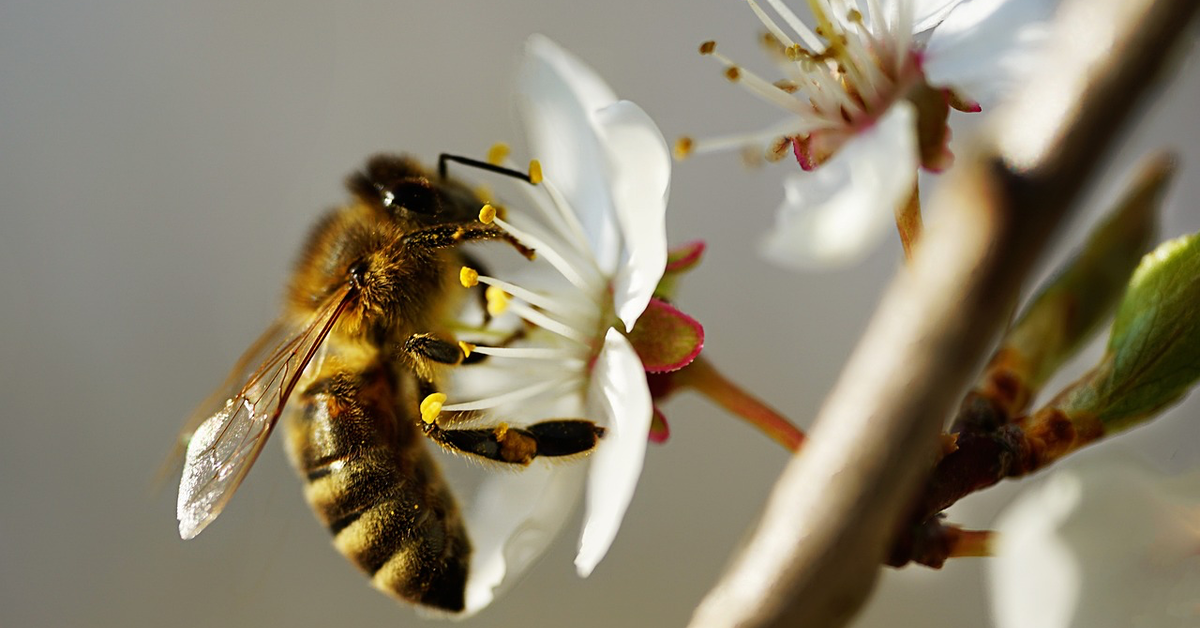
(374, 484)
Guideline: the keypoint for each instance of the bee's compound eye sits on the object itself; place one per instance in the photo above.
(415, 195)
(358, 272)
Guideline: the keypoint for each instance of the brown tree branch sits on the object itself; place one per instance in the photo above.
(832, 517)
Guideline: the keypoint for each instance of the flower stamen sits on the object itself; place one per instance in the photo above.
(535, 299)
(683, 147)
(555, 209)
(532, 353)
(798, 25)
(785, 129)
(544, 321)
(498, 153)
(512, 396)
(551, 255)
(772, 27)
(535, 171)
(570, 225)
(761, 87)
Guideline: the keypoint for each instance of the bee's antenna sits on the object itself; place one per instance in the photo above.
(482, 165)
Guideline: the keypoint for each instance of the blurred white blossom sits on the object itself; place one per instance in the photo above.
(1097, 545)
(867, 102)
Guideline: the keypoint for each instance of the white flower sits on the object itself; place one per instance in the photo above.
(600, 236)
(1100, 545)
(870, 106)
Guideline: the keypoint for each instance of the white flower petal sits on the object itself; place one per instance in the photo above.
(620, 393)
(588, 88)
(558, 97)
(640, 165)
(1035, 577)
(512, 521)
(611, 166)
(1100, 545)
(986, 46)
(833, 214)
(930, 13)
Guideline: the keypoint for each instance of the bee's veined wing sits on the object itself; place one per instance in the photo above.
(245, 368)
(225, 446)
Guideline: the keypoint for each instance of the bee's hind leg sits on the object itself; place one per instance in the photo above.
(520, 445)
(500, 442)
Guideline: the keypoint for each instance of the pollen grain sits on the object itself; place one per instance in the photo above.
(431, 407)
(468, 277)
(497, 300)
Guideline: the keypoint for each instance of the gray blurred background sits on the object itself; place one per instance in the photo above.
(159, 165)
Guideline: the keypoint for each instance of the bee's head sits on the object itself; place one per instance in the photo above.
(389, 281)
(411, 196)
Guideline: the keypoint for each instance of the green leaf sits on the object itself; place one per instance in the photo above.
(1155, 342)
(1070, 308)
(1153, 355)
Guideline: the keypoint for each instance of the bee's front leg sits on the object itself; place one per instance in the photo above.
(446, 236)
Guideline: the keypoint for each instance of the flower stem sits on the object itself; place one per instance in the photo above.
(908, 223)
(932, 543)
(705, 379)
(972, 543)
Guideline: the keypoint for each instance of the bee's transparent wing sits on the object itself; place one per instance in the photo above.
(225, 446)
(249, 363)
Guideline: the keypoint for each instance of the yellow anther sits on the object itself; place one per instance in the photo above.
(487, 213)
(787, 86)
(794, 52)
(535, 171)
(500, 431)
(497, 300)
(431, 407)
(468, 277)
(683, 147)
(733, 73)
(752, 156)
(854, 17)
(778, 149)
(466, 347)
(708, 47)
(497, 153)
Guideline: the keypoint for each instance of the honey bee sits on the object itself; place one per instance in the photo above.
(362, 338)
